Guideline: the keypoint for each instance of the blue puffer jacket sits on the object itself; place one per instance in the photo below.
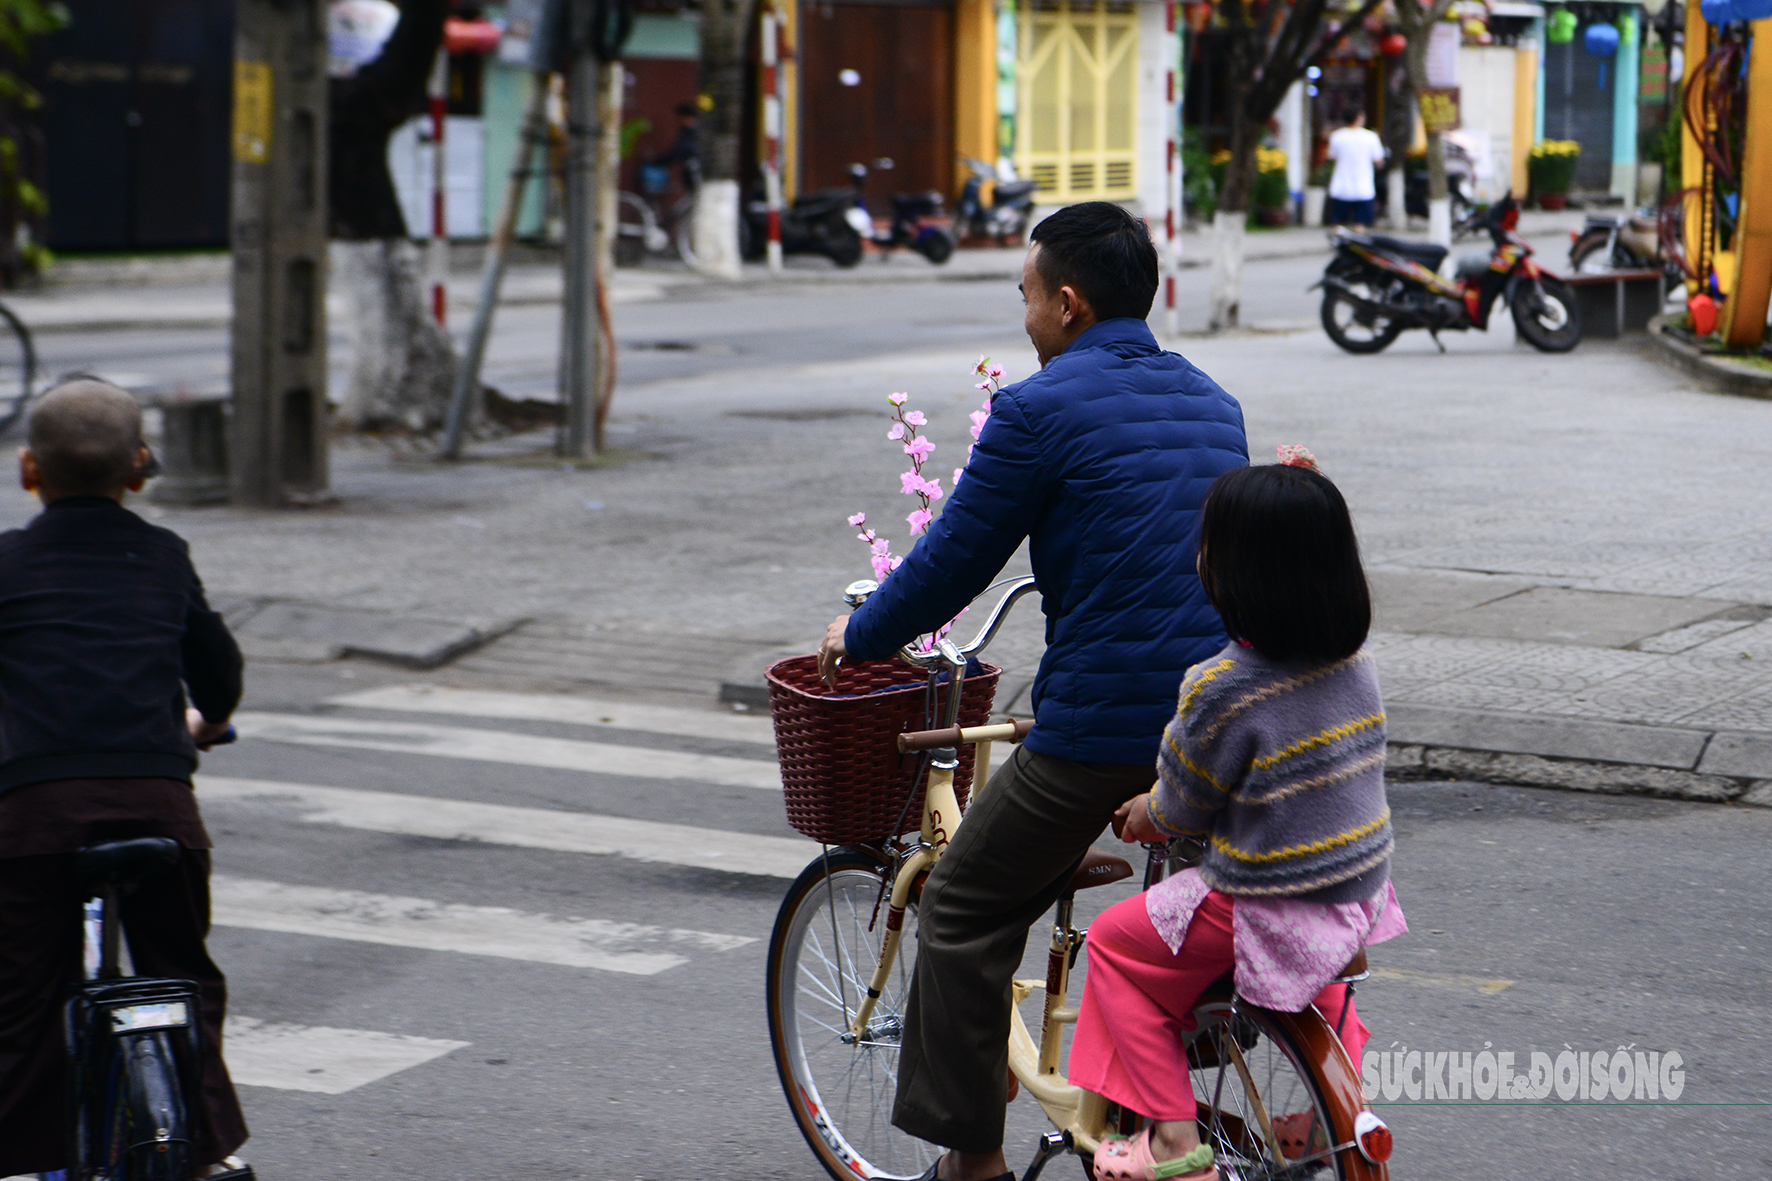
(1103, 459)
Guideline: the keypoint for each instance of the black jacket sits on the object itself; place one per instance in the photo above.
(103, 627)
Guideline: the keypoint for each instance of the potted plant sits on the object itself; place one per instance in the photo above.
(1273, 199)
(1551, 170)
(1316, 194)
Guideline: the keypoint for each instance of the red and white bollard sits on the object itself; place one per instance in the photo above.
(1171, 173)
(437, 251)
(772, 135)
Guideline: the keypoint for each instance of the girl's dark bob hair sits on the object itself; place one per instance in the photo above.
(1279, 561)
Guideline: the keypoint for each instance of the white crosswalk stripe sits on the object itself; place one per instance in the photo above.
(528, 828)
(398, 921)
(319, 1058)
(577, 711)
(529, 750)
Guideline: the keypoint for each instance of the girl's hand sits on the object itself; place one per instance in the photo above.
(1133, 823)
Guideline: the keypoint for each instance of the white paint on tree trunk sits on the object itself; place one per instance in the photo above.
(1228, 229)
(716, 229)
(1394, 211)
(402, 362)
(1439, 221)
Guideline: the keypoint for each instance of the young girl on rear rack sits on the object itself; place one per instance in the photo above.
(1277, 754)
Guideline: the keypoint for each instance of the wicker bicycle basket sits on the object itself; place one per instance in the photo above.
(841, 774)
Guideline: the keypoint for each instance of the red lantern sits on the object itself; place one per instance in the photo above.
(1393, 45)
(470, 36)
(1196, 15)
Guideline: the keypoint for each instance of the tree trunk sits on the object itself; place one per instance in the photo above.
(1232, 218)
(402, 362)
(1439, 204)
(725, 27)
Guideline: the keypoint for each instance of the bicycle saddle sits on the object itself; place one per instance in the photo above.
(1099, 869)
(123, 865)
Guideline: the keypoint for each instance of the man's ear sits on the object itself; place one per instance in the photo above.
(143, 458)
(30, 476)
(1075, 306)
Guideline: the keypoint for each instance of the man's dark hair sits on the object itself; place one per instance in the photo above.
(1280, 563)
(87, 436)
(1102, 251)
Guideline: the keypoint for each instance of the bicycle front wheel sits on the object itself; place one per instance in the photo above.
(18, 369)
(827, 941)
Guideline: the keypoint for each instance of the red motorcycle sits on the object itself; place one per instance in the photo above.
(1375, 287)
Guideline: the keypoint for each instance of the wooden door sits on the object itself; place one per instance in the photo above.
(876, 80)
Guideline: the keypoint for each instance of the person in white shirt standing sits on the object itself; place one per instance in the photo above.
(1353, 191)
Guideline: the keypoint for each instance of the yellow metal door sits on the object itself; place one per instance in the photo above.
(1077, 77)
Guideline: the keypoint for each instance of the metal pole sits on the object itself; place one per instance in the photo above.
(1172, 176)
(772, 137)
(467, 376)
(581, 349)
(437, 260)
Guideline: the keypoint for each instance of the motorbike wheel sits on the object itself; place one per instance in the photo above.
(842, 244)
(936, 244)
(1589, 255)
(1545, 314)
(1342, 321)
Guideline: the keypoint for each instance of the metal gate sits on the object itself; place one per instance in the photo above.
(1077, 76)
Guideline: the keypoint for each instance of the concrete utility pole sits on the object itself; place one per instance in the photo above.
(581, 344)
(278, 235)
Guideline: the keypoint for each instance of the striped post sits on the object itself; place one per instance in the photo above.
(437, 262)
(1171, 174)
(772, 137)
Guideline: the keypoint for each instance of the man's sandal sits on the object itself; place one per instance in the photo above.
(1121, 1159)
(1300, 1135)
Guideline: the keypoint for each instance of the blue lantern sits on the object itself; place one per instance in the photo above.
(1601, 40)
(1722, 12)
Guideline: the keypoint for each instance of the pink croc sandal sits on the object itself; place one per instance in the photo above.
(1120, 1159)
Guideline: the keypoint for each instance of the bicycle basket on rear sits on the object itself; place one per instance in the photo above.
(841, 774)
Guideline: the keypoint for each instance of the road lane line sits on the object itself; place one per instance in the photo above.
(526, 828)
(318, 1058)
(576, 711)
(500, 746)
(397, 921)
(1487, 986)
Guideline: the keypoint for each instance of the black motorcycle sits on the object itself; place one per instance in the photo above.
(1006, 218)
(825, 222)
(1376, 286)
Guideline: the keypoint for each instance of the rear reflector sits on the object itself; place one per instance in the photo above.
(1373, 1137)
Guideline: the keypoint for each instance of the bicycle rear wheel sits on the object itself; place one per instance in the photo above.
(822, 954)
(18, 369)
(1250, 1071)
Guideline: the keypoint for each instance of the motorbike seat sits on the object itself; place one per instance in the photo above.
(1012, 189)
(1425, 253)
(123, 865)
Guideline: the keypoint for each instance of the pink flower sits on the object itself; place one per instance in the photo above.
(958, 472)
(859, 519)
(978, 418)
(983, 363)
(896, 563)
(932, 489)
(918, 449)
(995, 372)
(910, 483)
(915, 417)
(919, 520)
(1292, 455)
(897, 432)
(880, 547)
(882, 567)
(897, 399)
(984, 385)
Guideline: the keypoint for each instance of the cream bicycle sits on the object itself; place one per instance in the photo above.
(840, 967)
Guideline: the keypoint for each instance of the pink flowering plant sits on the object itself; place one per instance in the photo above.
(906, 430)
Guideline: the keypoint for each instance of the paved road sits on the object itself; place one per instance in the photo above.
(380, 1039)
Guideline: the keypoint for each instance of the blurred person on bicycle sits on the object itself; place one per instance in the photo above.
(103, 632)
(1101, 460)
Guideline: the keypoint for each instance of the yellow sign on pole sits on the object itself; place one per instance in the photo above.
(252, 112)
(1439, 109)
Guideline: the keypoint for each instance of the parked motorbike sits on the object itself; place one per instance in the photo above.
(1012, 204)
(919, 220)
(1613, 242)
(826, 222)
(1461, 183)
(1376, 286)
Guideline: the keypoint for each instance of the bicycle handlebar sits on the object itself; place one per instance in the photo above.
(957, 736)
(944, 651)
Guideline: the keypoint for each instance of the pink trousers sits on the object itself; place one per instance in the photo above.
(1138, 999)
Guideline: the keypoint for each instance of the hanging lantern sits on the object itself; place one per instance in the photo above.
(1559, 27)
(1601, 40)
(1196, 15)
(1393, 45)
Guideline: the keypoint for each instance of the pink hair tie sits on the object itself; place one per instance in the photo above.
(1293, 455)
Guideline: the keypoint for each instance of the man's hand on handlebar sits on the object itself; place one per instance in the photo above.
(831, 651)
(1133, 823)
(205, 733)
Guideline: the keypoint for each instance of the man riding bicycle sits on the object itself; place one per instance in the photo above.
(1101, 461)
(103, 630)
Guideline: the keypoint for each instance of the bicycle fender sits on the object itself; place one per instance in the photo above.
(1340, 1079)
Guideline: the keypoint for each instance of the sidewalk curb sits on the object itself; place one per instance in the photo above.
(1723, 374)
(1414, 761)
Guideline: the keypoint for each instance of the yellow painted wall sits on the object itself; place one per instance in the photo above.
(1525, 95)
(1744, 316)
(975, 84)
